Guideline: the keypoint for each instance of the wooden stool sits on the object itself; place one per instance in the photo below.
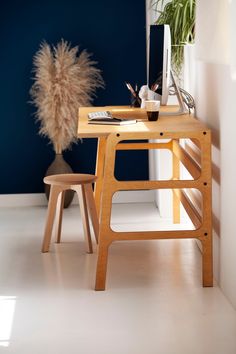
(82, 184)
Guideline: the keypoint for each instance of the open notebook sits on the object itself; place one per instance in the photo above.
(105, 117)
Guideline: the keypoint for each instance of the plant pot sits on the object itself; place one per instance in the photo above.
(59, 166)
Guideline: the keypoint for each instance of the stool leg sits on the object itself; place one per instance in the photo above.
(92, 208)
(59, 216)
(54, 192)
(84, 216)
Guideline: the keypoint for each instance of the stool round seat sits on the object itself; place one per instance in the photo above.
(69, 179)
(82, 185)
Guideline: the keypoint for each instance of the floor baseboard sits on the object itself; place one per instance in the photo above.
(39, 199)
(24, 200)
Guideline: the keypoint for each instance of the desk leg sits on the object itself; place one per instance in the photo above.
(206, 239)
(175, 198)
(99, 172)
(207, 271)
(105, 232)
(104, 239)
(102, 266)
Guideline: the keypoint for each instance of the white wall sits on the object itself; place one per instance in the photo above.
(215, 95)
(216, 105)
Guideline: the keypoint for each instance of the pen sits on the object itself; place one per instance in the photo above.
(137, 94)
(130, 88)
(154, 87)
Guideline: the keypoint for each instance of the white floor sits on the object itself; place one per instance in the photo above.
(154, 302)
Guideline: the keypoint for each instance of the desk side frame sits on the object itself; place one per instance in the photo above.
(110, 142)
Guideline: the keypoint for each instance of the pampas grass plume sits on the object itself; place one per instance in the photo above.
(63, 82)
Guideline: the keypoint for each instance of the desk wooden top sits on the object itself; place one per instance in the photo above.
(177, 123)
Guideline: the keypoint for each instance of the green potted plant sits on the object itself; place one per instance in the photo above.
(180, 16)
(63, 81)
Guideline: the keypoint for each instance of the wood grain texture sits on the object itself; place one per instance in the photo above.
(175, 177)
(167, 127)
(82, 184)
(101, 147)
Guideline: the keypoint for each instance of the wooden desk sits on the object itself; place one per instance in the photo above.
(173, 128)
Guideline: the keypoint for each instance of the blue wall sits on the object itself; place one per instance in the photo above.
(113, 30)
